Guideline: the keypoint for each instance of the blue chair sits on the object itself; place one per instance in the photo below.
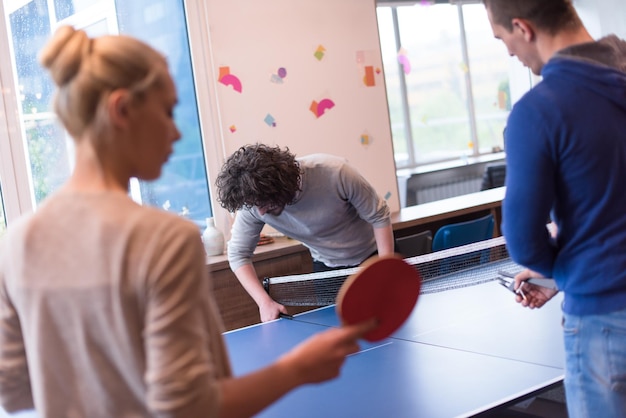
(455, 235)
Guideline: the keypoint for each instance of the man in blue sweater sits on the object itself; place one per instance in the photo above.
(566, 158)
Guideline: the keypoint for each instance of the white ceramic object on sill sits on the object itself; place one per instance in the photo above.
(212, 238)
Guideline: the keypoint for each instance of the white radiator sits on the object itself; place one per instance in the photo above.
(448, 189)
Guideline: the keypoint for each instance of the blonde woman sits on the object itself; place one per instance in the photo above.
(105, 305)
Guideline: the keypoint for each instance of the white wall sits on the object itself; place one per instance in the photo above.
(603, 17)
(254, 38)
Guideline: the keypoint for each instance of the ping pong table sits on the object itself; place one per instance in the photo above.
(462, 352)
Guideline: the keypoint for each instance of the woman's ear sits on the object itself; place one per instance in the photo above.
(525, 28)
(118, 107)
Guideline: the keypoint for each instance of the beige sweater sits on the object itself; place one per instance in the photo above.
(106, 311)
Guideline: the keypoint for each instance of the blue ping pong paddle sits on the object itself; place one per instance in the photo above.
(385, 288)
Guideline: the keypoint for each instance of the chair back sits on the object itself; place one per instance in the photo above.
(455, 235)
(494, 176)
(414, 245)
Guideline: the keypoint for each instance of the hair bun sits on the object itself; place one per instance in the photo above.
(64, 54)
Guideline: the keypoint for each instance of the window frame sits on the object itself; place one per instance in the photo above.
(14, 169)
(212, 136)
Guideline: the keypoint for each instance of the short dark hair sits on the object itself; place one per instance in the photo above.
(258, 175)
(548, 15)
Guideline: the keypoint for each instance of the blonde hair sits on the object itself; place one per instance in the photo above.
(86, 70)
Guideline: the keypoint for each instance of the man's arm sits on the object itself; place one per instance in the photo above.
(370, 206)
(530, 192)
(268, 308)
(243, 241)
(384, 240)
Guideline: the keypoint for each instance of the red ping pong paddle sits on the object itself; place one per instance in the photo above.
(385, 288)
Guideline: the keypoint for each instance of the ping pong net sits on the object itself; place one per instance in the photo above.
(442, 270)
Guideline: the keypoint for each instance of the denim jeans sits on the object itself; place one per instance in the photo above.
(595, 371)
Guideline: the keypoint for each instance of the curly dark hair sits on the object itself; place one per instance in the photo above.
(258, 175)
(549, 15)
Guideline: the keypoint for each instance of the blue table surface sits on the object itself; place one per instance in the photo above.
(483, 319)
(461, 352)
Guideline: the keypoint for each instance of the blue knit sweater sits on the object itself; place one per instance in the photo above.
(566, 158)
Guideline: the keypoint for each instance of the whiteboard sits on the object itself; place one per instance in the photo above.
(306, 75)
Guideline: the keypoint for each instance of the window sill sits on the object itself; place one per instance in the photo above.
(447, 165)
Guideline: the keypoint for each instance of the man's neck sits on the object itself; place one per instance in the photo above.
(548, 44)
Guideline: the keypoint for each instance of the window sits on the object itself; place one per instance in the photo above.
(3, 219)
(183, 186)
(448, 81)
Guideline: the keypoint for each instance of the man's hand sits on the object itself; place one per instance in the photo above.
(536, 296)
(271, 310)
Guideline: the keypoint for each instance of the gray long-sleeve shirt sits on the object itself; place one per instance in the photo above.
(333, 216)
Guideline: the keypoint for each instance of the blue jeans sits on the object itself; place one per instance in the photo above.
(595, 371)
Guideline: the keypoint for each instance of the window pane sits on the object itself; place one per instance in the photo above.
(183, 186)
(436, 91)
(395, 97)
(45, 140)
(428, 82)
(66, 8)
(3, 219)
(490, 78)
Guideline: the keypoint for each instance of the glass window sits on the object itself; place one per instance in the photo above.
(45, 140)
(183, 186)
(490, 78)
(67, 8)
(435, 85)
(448, 81)
(3, 221)
(396, 87)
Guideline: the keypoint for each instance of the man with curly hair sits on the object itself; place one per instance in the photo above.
(319, 200)
(566, 156)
